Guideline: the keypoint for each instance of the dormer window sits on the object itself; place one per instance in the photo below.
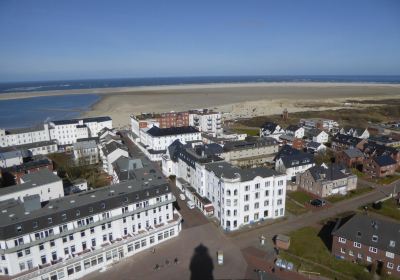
(64, 216)
(35, 224)
(78, 213)
(375, 238)
(19, 229)
(50, 220)
(358, 233)
(103, 205)
(392, 243)
(90, 209)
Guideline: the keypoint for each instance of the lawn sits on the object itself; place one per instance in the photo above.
(294, 208)
(300, 197)
(248, 131)
(350, 194)
(389, 209)
(312, 255)
(382, 181)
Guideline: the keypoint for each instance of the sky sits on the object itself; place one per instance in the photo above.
(80, 39)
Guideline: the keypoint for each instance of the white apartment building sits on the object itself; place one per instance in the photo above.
(239, 196)
(206, 121)
(66, 132)
(22, 136)
(155, 140)
(294, 164)
(86, 152)
(295, 130)
(320, 123)
(43, 183)
(10, 158)
(110, 152)
(270, 129)
(318, 136)
(75, 235)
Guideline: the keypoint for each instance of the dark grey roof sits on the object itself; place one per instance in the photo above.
(292, 128)
(384, 160)
(269, 126)
(85, 120)
(330, 173)
(249, 143)
(299, 159)
(285, 151)
(226, 170)
(88, 203)
(14, 154)
(29, 146)
(361, 228)
(32, 180)
(313, 145)
(353, 153)
(25, 129)
(346, 139)
(314, 132)
(157, 132)
(374, 149)
(87, 144)
(36, 163)
(125, 167)
(112, 146)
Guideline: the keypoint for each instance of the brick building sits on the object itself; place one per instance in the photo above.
(380, 166)
(367, 240)
(350, 158)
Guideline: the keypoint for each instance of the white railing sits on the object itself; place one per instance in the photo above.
(64, 263)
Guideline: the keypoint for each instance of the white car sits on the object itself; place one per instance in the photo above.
(182, 196)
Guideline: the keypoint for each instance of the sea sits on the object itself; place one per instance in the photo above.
(33, 111)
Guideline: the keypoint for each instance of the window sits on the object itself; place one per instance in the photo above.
(22, 266)
(82, 233)
(357, 245)
(279, 202)
(267, 193)
(342, 240)
(52, 243)
(246, 208)
(342, 250)
(390, 265)
(256, 205)
(247, 188)
(390, 255)
(246, 197)
(20, 254)
(257, 195)
(280, 192)
(257, 186)
(41, 246)
(66, 251)
(373, 249)
(50, 220)
(375, 238)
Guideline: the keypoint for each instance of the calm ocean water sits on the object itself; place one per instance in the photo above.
(34, 111)
(27, 112)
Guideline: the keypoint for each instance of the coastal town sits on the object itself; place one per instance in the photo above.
(186, 193)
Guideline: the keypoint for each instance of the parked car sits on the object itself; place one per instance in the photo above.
(318, 202)
(190, 204)
(182, 196)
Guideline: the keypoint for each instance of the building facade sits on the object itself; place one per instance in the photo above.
(206, 121)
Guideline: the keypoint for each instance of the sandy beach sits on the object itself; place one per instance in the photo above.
(236, 100)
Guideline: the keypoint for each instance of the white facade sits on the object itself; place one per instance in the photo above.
(248, 196)
(108, 158)
(322, 137)
(66, 132)
(298, 133)
(271, 130)
(75, 248)
(325, 124)
(206, 121)
(86, 152)
(43, 183)
(14, 137)
(291, 172)
(11, 158)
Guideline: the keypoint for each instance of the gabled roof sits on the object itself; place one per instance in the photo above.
(314, 145)
(353, 153)
(292, 128)
(384, 160)
(329, 173)
(346, 139)
(157, 132)
(270, 126)
(112, 146)
(285, 151)
(371, 231)
(299, 159)
(314, 132)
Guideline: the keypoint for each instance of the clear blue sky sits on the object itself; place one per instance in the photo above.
(42, 40)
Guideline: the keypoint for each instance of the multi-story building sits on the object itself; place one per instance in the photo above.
(161, 120)
(10, 157)
(368, 240)
(317, 135)
(342, 142)
(43, 183)
(66, 132)
(270, 129)
(252, 151)
(295, 130)
(238, 196)
(293, 164)
(36, 148)
(110, 152)
(362, 133)
(351, 158)
(326, 180)
(206, 121)
(74, 235)
(320, 123)
(22, 136)
(155, 141)
(86, 152)
(379, 166)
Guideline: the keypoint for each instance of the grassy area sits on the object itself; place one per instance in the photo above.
(300, 197)
(248, 131)
(382, 181)
(389, 208)
(294, 208)
(350, 194)
(67, 169)
(314, 256)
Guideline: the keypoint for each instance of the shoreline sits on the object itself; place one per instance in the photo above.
(167, 88)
